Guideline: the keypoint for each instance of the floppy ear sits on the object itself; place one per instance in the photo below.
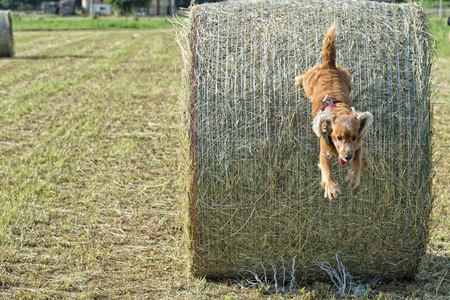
(365, 119)
(318, 120)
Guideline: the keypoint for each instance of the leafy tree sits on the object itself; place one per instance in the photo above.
(8, 4)
(24, 4)
(126, 6)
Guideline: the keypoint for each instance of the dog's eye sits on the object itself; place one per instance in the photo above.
(340, 138)
(354, 137)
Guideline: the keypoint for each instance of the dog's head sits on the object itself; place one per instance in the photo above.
(346, 131)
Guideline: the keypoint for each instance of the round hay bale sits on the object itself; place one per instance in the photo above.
(6, 34)
(253, 191)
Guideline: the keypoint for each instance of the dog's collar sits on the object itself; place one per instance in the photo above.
(329, 102)
(332, 104)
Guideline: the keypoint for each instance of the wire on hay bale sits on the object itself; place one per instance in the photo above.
(6, 34)
(250, 156)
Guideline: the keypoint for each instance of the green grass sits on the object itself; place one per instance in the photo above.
(39, 22)
(87, 163)
(440, 242)
(440, 29)
(88, 174)
(435, 3)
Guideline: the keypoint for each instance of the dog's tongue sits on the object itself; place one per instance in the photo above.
(343, 163)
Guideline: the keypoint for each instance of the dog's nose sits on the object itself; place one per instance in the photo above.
(348, 157)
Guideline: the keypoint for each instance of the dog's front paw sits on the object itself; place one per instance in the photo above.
(352, 180)
(332, 190)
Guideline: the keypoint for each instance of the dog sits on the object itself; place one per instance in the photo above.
(339, 126)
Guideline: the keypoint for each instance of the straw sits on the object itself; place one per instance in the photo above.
(249, 155)
(6, 34)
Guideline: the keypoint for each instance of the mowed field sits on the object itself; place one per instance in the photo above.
(89, 180)
(87, 166)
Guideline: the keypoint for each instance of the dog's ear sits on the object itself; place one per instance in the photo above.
(318, 120)
(365, 121)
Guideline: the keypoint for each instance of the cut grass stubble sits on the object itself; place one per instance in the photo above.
(86, 165)
(39, 23)
(88, 199)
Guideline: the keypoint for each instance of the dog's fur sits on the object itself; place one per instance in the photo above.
(345, 126)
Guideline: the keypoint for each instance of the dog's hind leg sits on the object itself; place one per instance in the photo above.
(364, 160)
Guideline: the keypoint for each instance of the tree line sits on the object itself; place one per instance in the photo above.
(126, 6)
(26, 4)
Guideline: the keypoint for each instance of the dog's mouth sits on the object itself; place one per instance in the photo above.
(343, 162)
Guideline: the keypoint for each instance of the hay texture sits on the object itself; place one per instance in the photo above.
(6, 34)
(253, 193)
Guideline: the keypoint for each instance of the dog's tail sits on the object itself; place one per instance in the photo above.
(329, 47)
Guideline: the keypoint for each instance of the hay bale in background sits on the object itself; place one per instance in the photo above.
(6, 34)
(66, 7)
(252, 183)
(49, 7)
